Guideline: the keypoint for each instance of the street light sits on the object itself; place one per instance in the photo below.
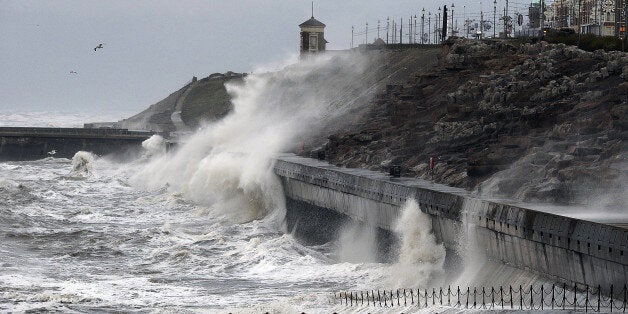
(494, 17)
(429, 27)
(422, 26)
(436, 30)
(452, 19)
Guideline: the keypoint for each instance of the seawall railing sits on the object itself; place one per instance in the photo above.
(540, 297)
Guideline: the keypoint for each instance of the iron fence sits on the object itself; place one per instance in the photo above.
(555, 297)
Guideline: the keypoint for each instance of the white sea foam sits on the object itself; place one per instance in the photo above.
(154, 146)
(420, 258)
(82, 163)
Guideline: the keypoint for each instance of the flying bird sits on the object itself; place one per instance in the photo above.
(98, 47)
(73, 72)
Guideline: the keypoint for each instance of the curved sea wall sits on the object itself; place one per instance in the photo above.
(562, 249)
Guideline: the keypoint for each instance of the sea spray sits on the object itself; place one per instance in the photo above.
(357, 243)
(82, 163)
(420, 258)
(154, 146)
(227, 165)
(473, 258)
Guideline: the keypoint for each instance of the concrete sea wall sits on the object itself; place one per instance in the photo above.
(559, 248)
(36, 143)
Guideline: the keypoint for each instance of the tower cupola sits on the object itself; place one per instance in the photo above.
(312, 36)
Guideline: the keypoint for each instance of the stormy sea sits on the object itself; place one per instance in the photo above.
(200, 228)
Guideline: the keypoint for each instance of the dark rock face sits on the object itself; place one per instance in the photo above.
(534, 122)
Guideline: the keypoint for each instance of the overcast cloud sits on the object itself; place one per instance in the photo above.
(153, 47)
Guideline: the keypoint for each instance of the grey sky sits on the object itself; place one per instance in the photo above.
(152, 47)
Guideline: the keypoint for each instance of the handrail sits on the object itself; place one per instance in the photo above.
(518, 298)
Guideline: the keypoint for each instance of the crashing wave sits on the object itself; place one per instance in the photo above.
(82, 163)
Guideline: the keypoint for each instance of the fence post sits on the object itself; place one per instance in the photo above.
(483, 303)
(553, 296)
(468, 293)
(531, 300)
(448, 295)
(392, 302)
(351, 298)
(418, 297)
(398, 298)
(511, 305)
(459, 296)
(501, 295)
(433, 296)
(346, 299)
(426, 298)
(385, 301)
(520, 297)
(362, 297)
(373, 296)
(542, 297)
(440, 291)
(367, 298)
(586, 301)
(379, 298)
(474, 297)
(412, 295)
(405, 300)
(492, 297)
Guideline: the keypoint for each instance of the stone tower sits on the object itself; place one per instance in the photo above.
(312, 37)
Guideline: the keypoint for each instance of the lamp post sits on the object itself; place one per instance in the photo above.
(452, 19)
(494, 17)
(422, 25)
(429, 27)
(436, 28)
(481, 21)
(351, 36)
(387, 28)
(414, 41)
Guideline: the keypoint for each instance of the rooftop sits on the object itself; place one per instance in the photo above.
(312, 22)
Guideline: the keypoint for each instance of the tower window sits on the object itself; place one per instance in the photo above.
(313, 42)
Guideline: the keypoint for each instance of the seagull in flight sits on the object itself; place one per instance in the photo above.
(98, 47)
(73, 72)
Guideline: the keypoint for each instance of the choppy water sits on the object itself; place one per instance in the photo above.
(93, 242)
(200, 228)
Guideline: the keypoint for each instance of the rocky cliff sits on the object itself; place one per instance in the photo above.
(531, 122)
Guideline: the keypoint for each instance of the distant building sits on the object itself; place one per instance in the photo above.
(312, 37)
(599, 17)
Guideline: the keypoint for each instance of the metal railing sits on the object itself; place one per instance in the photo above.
(555, 297)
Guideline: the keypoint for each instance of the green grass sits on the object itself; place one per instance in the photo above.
(207, 100)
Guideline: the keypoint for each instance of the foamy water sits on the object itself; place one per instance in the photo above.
(199, 228)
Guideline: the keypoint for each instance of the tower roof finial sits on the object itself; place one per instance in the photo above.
(312, 9)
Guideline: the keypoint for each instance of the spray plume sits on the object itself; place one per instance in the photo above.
(228, 165)
(82, 163)
(420, 258)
